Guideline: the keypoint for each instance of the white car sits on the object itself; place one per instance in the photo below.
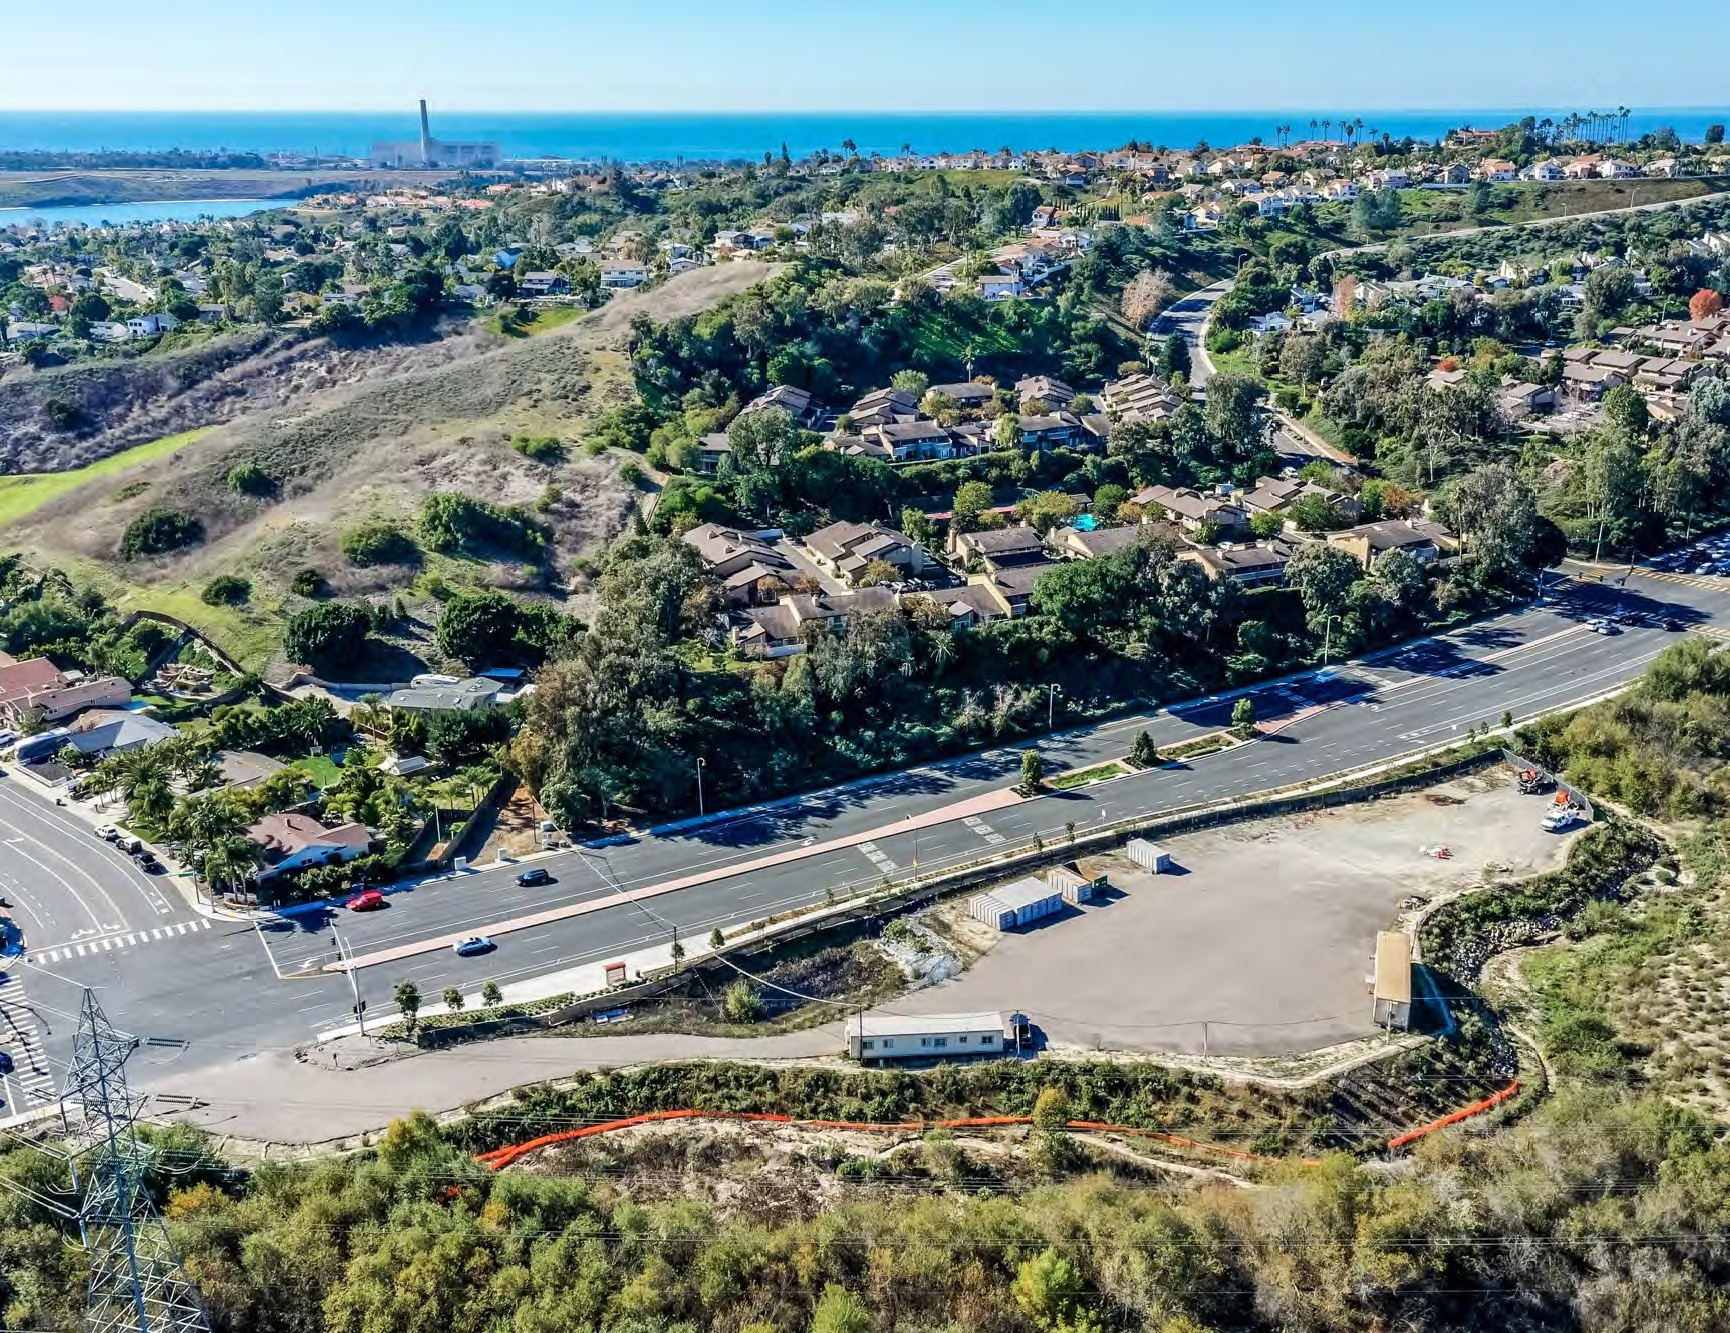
(1601, 627)
(108, 833)
(474, 944)
(1560, 817)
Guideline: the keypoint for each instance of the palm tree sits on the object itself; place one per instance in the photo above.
(1313, 124)
(1622, 114)
(1327, 127)
(151, 802)
(229, 862)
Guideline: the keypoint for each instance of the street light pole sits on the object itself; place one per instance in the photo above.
(346, 956)
(700, 762)
(1328, 634)
(1054, 690)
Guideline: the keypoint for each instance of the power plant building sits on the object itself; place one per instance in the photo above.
(430, 152)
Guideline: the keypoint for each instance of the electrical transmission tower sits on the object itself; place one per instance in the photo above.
(136, 1284)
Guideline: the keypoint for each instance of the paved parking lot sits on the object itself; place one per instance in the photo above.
(1264, 936)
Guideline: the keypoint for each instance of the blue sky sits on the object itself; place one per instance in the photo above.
(911, 55)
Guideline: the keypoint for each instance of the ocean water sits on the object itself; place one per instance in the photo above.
(168, 210)
(638, 137)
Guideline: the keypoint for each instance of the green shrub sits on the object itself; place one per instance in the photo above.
(226, 590)
(539, 448)
(308, 583)
(250, 479)
(457, 525)
(379, 543)
(333, 634)
(158, 531)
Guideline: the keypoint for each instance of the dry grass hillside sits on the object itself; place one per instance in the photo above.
(117, 404)
(345, 454)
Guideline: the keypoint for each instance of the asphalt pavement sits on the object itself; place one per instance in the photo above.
(224, 992)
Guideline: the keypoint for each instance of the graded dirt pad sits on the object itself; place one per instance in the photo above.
(1265, 934)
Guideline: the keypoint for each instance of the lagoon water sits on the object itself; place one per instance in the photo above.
(167, 210)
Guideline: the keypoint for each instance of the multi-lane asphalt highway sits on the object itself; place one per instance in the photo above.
(211, 994)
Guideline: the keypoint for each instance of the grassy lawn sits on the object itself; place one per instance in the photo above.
(539, 321)
(24, 494)
(1082, 776)
(321, 768)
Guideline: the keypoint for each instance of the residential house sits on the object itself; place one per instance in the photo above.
(148, 326)
(999, 548)
(1547, 170)
(1000, 286)
(1520, 400)
(1588, 382)
(1055, 430)
(1006, 593)
(711, 449)
(1054, 395)
(543, 284)
(1194, 510)
(37, 690)
(970, 395)
(1097, 543)
(97, 733)
(846, 550)
(291, 841)
(475, 692)
(882, 407)
(620, 273)
(1427, 542)
(26, 330)
(1496, 170)
(1277, 495)
(1140, 398)
(909, 441)
(750, 568)
(1256, 565)
(797, 403)
(783, 627)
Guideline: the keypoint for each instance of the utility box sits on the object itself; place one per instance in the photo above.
(1149, 855)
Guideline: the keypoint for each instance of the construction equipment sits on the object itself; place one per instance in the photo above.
(1534, 782)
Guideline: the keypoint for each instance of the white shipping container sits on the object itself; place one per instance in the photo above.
(1148, 855)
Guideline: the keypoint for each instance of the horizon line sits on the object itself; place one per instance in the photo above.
(813, 111)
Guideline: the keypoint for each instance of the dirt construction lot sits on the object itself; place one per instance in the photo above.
(1265, 933)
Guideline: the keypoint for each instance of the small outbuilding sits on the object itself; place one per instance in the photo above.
(1148, 855)
(1391, 986)
(1018, 904)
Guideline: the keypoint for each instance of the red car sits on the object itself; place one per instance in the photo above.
(370, 901)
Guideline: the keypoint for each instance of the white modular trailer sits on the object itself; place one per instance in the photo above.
(926, 1036)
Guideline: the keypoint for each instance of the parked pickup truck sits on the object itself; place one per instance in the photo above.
(1561, 818)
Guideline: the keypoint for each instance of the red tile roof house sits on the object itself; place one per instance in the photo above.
(293, 842)
(38, 688)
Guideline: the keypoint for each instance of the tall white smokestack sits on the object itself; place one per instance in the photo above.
(426, 147)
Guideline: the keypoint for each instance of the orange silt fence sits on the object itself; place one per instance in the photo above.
(1464, 1113)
